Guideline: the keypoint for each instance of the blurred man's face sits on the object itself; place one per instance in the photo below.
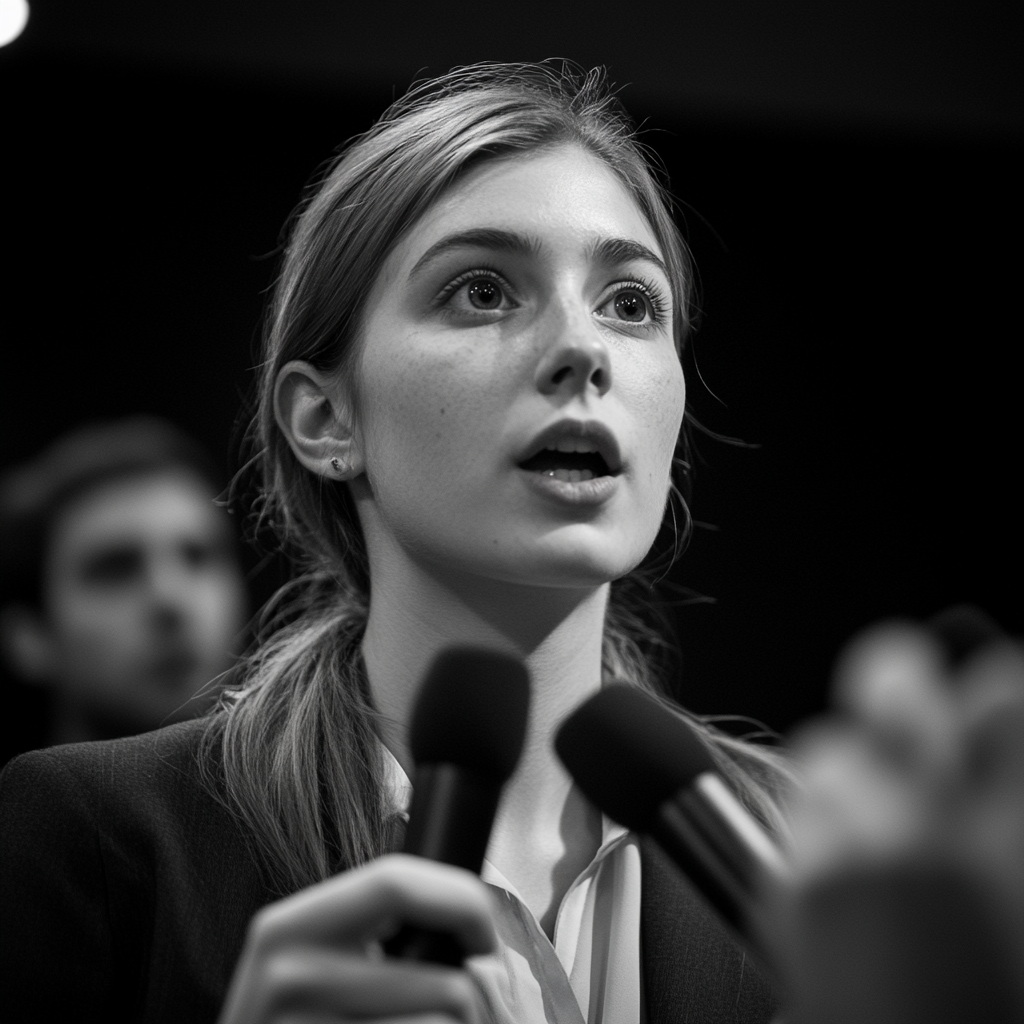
(143, 600)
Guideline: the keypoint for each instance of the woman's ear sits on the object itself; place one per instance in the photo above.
(316, 417)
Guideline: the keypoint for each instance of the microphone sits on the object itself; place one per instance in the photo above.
(465, 736)
(648, 769)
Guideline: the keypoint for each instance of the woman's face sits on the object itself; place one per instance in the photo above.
(519, 391)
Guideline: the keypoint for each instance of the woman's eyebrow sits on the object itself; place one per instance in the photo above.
(495, 239)
(625, 250)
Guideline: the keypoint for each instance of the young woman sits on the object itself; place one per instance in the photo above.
(470, 408)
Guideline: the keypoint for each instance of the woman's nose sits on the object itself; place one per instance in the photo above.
(576, 358)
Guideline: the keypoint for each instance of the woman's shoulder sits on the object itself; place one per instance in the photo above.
(182, 735)
(145, 759)
(153, 781)
(122, 872)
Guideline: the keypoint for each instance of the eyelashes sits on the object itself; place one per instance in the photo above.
(484, 290)
(654, 296)
(470, 277)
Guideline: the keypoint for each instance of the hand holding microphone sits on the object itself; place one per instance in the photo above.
(907, 898)
(903, 899)
(466, 736)
(309, 955)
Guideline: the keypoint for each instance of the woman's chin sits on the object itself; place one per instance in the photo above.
(579, 555)
(583, 566)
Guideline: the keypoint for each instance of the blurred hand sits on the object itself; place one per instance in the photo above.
(315, 956)
(907, 896)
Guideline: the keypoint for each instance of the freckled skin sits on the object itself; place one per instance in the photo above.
(449, 405)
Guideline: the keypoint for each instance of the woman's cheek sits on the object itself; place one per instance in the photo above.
(661, 394)
(426, 418)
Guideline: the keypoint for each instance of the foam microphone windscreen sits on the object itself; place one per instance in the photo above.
(629, 754)
(472, 711)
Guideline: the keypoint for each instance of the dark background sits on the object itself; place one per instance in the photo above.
(851, 175)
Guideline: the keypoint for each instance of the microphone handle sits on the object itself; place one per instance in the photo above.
(680, 838)
(738, 839)
(426, 945)
(450, 822)
(725, 867)
(451, 815)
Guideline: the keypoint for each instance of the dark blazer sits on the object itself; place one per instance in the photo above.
(126, 889)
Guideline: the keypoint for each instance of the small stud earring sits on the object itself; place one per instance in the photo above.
(336, 465)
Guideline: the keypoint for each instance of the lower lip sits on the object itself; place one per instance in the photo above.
(580, 493)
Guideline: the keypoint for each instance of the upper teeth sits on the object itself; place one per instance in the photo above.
(574, 444)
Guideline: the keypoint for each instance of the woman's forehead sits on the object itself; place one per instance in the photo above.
(562, 197)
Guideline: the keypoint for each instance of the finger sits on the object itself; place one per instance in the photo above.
(429, 1018)
(317, 982)
(854, 806)
(333, 1018)
(892, 679)
(990, 694)
(991, 691)
(372, 901)
(308, 1018)
(962, 630)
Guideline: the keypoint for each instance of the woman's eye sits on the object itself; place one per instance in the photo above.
(476, 292)
(629, 305)
(484, 293)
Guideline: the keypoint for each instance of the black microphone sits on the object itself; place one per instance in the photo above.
(465, 737)
(648, 769)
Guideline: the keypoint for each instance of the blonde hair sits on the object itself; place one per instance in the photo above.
(301, 758)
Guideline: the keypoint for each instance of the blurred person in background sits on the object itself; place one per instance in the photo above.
(121, 594)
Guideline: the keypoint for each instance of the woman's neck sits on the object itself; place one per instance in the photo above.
(416, 613)
(544, 833)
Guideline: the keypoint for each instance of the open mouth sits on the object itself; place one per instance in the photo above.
(575, 452)
(571, 467)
